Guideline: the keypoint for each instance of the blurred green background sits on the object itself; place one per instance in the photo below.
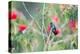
(37, 16)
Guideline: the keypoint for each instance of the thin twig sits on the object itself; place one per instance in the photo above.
(43, 20)
(48, 39)
(30, 14)
(38, 32)
(66, 39)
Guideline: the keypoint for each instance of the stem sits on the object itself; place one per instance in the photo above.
(30, 15)
(48, 40)
(66, 39)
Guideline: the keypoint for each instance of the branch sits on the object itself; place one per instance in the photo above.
(30, 14)
(66, 39)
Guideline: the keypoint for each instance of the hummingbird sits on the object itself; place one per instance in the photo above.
(53, 28)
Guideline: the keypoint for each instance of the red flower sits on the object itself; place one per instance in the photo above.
(22, 27)
(12, 15)
(72, 25)
(55, 19)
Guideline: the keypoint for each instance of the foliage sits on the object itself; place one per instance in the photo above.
(37, 16)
